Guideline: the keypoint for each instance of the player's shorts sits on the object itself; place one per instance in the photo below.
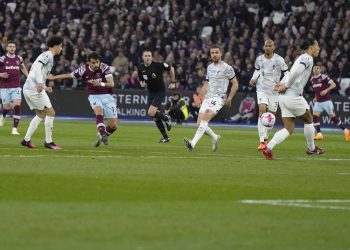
(326, 106)
(292, 106)
(270, 100)
(214, 104)
(9, 94)
(36, 100)
(106, 102)
(155, 100)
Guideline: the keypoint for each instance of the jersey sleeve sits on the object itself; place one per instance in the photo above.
(284, 66)
(2, 59)
(106, 70)
(139, 72)
(306, 61)
(21, 61)
(230, 72)
(328, 79)
(78, 73)
(44, 58)
(256, 64)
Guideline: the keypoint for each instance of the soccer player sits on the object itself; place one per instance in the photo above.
(292, 102)
(98, 79)
(34, 91)
(322, 84)
(219, 74)
(268, 69)
(151, 74)
(10, 86)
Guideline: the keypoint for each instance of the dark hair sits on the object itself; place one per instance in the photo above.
(94, 55)
(307, 43)
(146, 50)
(11, 41)
(53, 41)
(215, 46)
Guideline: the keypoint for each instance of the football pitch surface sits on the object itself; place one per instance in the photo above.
(138, 194)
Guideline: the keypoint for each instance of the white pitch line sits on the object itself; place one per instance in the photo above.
(300, 203)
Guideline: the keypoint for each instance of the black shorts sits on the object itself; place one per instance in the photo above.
(155, 100)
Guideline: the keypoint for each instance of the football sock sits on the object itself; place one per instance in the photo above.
(279, 137)
(268, 131)
(4, 112)
(261, 131)
(100, 125)
(48, 128)
(16, 115)
(309, 133)
(199, 133)
(32, 127)
(210, 132)
(317, 125)
(161, 127)
(110, 130)
(338, 122)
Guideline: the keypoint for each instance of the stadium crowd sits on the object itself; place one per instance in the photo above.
(179, 32)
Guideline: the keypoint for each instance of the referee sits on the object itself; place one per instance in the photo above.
(151, 74)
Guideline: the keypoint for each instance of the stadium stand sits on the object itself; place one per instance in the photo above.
(179, 32)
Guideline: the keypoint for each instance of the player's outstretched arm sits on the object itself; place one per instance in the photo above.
(59, 77)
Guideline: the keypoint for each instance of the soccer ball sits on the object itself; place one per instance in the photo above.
(268, 119)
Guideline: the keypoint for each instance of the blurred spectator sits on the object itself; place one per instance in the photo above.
(177, 108)
(172, 29)
(246, 110)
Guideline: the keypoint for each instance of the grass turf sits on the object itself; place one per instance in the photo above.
(139, 194)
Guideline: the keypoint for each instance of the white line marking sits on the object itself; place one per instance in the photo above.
(301, 203)
(343, 173)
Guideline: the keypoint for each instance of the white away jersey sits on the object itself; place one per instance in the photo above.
(39, 71)
(269, 73)
(218, 77)
(298, 85)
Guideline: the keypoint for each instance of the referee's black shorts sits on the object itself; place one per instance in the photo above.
(156, 99)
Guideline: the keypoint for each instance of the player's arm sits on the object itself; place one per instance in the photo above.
(109, 82)
(331, 86)
(203, 90)
(172, 84)
(60, 77)
(24, 69)
(295, 72)
(256, 74)
(233, 91)
(142, 81)
(4, 75)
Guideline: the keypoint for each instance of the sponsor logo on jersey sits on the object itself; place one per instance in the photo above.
(12, 67)
(154, 75)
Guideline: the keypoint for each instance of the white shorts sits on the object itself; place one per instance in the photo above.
(293, 106)
(9, 94)
(214, 104)
(326, 106)
(270, 100)
(106, 102)
(36, 100)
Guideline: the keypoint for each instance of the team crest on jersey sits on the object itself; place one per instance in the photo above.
(98, 75)
(154, 75)
(18, 62)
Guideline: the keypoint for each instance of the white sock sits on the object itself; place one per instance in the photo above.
(261, 131)
(199, 133)
(268, 131)
(279, 137)
(48, 128)
(309, 132)
(32, 127)
(211, 133)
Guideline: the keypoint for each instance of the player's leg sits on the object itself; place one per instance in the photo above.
(16, 96)
(329, 108)
(34, 101)
(261, 128)
(271, 107)
(110, 113)
(317, 110)
(33, 125)
(209, 109)
(6, 104)
(154, 111)
(309, 133)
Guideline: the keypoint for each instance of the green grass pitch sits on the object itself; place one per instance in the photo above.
(139, 194)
